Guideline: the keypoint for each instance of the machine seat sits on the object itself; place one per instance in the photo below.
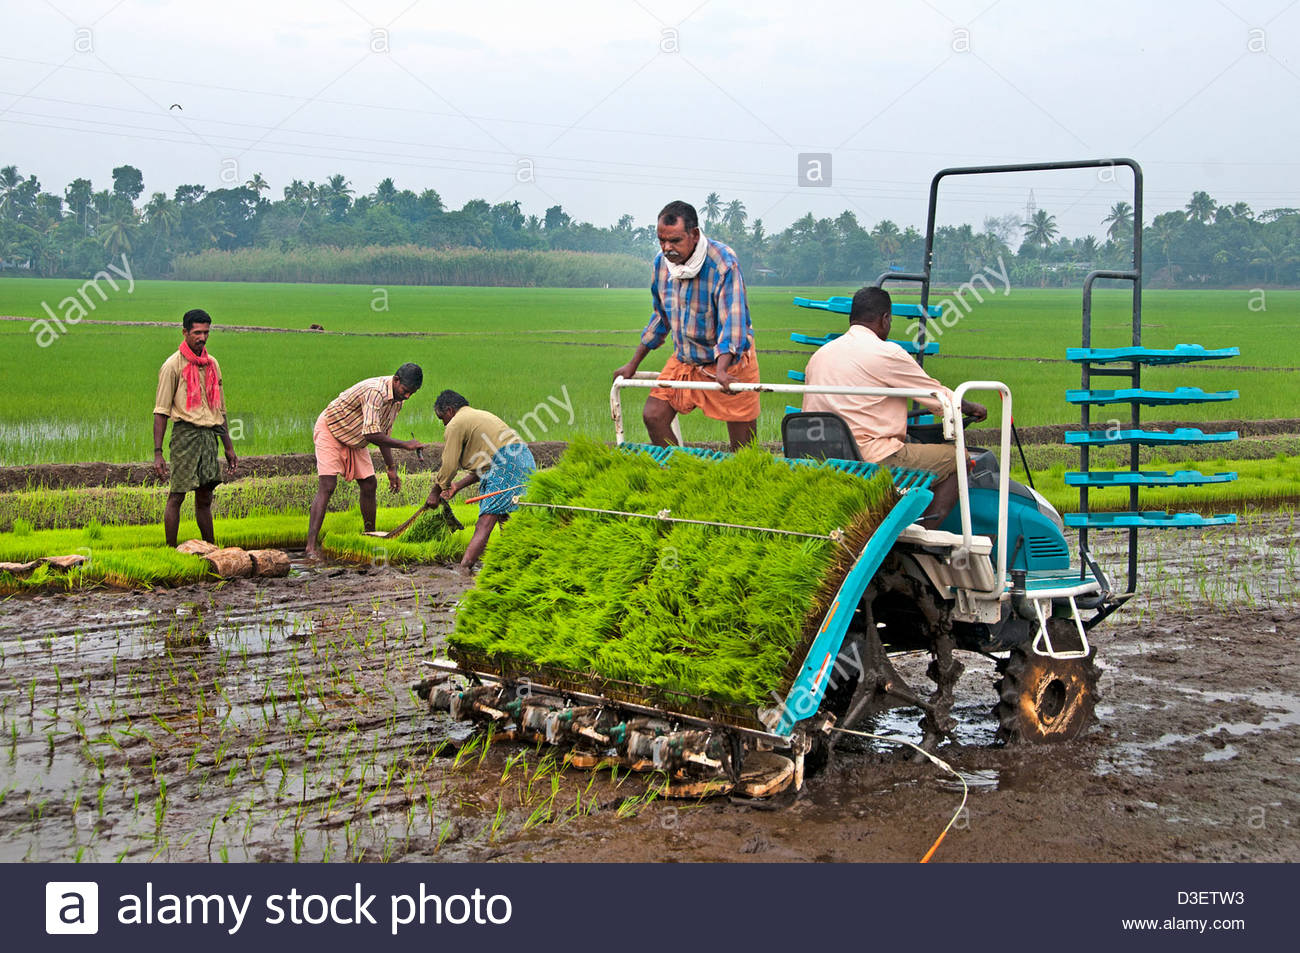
(821, 435)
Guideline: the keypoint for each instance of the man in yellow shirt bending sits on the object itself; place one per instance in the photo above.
(489, 449)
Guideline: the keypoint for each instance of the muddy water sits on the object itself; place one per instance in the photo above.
(276, 722)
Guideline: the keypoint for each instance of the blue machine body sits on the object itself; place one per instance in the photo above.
(819, 667)
(1034, 540)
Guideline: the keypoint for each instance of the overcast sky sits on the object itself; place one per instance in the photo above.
(617, 106)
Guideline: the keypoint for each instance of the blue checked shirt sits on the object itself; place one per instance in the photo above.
(708, 315)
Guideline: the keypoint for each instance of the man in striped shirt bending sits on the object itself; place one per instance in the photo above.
(698, 296)
(360, 416)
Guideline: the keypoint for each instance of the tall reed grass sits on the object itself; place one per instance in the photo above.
(416, 265)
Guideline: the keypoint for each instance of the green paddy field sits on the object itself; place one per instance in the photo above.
(543, 358)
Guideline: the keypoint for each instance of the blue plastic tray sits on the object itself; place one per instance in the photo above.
(1183, 435)
(931, 347)
(1179, 354)
(1149, 398)
(841, 305)
(1147, 478)
(1153, 519)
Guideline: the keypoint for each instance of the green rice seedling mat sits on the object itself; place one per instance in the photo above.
(701, 619)
(133, 557)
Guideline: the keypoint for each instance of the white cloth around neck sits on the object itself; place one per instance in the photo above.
(691, 267)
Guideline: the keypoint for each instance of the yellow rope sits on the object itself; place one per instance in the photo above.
(965, 789)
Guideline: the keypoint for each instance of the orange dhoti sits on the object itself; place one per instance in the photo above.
(733, 408)
(335, 458)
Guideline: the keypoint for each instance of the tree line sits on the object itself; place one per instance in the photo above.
(194, 230)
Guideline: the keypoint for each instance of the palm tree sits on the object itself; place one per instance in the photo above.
(10, 183)
(1162, 234)
(987, 248)
(42, 253)
(78, 195)
(116, 235)
(385, 192)
(1119, 222)
(802, 229)
(1200, 208)
(162, 214)
(847, 223)
(712, 206)
(338, 185)
(103, 204)
(257, 183)
(735, 215)
(337, 194)
(1041, 229)
(1231, 213)
(431, 202)
(887, 237)
(11, 250)
(296, 191)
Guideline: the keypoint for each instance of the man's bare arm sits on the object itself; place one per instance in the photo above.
(628, 370)
(721, 373)
(384, 442)
(232, 460)
(159, 432)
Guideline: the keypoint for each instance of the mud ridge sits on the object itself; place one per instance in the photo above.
(70, 475)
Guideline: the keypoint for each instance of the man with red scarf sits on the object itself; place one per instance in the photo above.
(190, 396)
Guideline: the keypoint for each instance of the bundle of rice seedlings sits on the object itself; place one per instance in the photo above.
(128, 569)
(352, 546)
(120, 569)
(707, 614)
(432, 524)
(132, 556)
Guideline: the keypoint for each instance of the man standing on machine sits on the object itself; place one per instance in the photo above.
(698, 295)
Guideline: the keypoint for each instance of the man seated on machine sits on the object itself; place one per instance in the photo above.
(865, 357)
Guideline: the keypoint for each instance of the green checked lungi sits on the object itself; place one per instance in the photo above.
(512, 465)
(194, 462)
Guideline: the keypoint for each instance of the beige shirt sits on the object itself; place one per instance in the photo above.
(858, 358)
(367, 406)
(172, 392)
(473, 437)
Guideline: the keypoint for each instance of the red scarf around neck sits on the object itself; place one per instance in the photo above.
(193, 381)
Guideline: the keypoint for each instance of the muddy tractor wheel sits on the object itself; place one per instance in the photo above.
(1044, 700)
